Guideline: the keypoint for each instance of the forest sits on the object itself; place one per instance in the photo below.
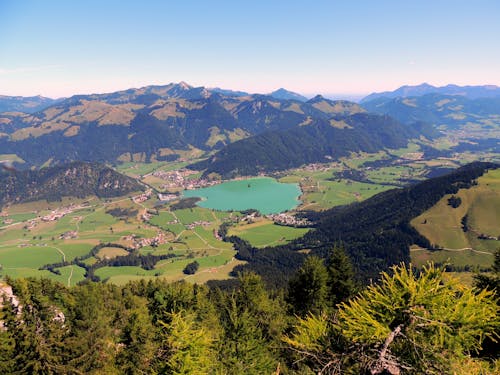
(322, 322)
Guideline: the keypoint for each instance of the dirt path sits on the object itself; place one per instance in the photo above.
(454, 250)
(70, 275)
(60, 251)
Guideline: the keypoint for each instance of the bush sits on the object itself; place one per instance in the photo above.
(191, 268)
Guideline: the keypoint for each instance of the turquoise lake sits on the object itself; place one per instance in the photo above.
(264, 194)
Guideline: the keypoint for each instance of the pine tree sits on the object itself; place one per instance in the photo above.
(189, 346)
(490, 281)
(341, 277)
(308, 289)
(425, 321)
(408, 323)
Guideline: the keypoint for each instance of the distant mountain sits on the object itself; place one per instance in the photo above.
(451, 111)
(335, 107)
(470, 92)
(287, 95)
(228, 92)
(319, 141)
(70, 180)
(30, 104)
(152, 123)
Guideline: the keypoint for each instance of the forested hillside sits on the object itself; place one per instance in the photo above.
(76, 179)
(407, 323)
(320, 141)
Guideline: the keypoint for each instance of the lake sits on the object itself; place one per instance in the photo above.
(264, 194)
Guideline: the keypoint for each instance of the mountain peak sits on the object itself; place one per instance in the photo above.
(284, 94)
(183, 85)
(316, 99)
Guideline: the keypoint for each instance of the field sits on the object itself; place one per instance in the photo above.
(443, 226)
(28, 243)
(265, 233)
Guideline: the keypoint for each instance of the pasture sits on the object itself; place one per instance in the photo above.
(264, 233)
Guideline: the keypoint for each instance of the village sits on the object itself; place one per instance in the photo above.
(288, 220)
(178, 179)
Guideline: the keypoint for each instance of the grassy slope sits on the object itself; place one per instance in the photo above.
(443, 225)
(264, 233)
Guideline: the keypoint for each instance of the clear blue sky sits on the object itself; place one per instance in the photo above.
(64, 47)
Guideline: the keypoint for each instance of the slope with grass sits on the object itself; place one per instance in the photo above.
(443, 225)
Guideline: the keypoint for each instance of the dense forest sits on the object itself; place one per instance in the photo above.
(76, 179)
(322, 322)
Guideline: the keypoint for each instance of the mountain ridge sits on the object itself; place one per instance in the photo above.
(471, 92)
(150, 122)
(76, 179)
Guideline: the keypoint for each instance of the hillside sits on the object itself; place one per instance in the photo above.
(70, 180)
(470, 92)
(440, 110)
(468, 242)
(376, 232)
(152, 123)
(319, 141)
(29, 104)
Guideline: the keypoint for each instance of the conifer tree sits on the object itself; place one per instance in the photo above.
(308, 289)
(408, 323)
(341, 278)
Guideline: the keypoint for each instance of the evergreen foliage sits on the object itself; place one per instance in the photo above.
(409, 323)
(419, 322)
(191, 268)
(308, 291)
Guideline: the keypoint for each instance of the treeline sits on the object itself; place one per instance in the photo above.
(321, 322)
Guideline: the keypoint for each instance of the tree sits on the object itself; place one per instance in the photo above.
(341, 277)
(426, 322)
(308, 289)
(191, 268)
(189, 346)
(252, 325)
(490, 281)
(408, 323)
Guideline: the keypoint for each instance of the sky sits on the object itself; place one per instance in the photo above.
(59, 48)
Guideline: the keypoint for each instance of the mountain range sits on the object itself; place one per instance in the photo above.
(316, 142)
(29, 104)
(152, 123)
(470, 92)
(240, 133)
(450, 111)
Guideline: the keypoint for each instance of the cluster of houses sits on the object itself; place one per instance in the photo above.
(69, 235)
(178, 179)
(159, 239)
(289, 220)
(62, 211)
(167, 197)
(142, 197)
(198, 224)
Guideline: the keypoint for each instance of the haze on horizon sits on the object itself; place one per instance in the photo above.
(61, 48)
